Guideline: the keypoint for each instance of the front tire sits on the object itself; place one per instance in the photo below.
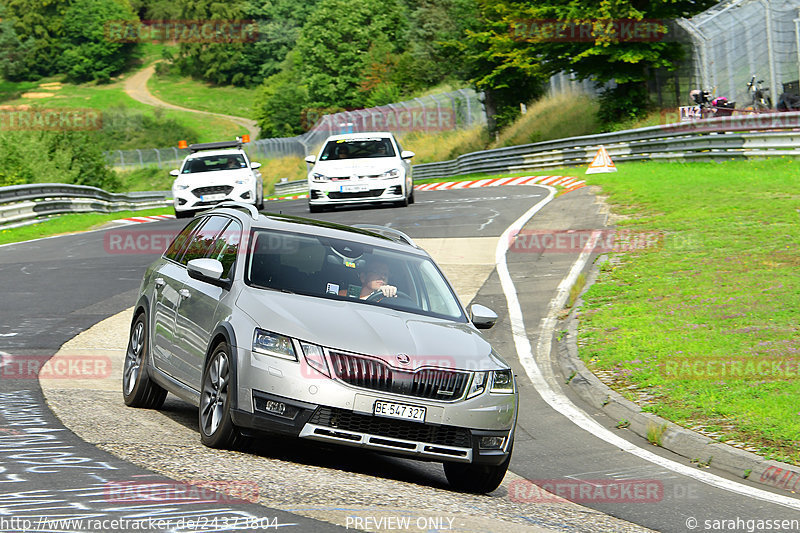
(477, 479)
(314, 208)
(216, 426)
(138, 390)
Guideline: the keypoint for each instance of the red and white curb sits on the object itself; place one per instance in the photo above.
(143, 220)
(570, 183)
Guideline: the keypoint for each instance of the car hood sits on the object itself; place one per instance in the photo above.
(216, 177)
(371, 330)
(360, 167)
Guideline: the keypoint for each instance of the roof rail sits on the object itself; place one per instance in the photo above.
(250, 208)
(394, 234)
(218, 145)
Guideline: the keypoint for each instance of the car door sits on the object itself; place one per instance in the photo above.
(196, 316)
(168, 280)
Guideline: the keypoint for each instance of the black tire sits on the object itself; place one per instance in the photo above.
(402, 203)
(477, 479)
(138, 390)
(184, 214)
(314, 208)
(411, 199)
(214, 416)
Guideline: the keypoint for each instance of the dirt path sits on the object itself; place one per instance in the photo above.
(136, 88)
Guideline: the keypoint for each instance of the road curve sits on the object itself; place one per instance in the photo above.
(136, 88)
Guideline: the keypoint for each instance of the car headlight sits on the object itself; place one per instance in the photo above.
(273, 344)
(395, 172)
(315, 358)
(478, 384)
(316, 176)
(502, 382)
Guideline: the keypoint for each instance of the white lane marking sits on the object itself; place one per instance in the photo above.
(7, 335)
(561, 403)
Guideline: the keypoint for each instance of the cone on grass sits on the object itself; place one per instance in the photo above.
(601, 163)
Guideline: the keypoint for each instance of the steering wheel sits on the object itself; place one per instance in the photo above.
(378, 296)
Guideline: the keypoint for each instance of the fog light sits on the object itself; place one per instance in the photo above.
(277, 408)
(491, 443)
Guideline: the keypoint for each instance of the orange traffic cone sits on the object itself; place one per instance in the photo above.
(602, 163)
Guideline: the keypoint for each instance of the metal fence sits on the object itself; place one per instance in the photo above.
(735, 137)
(440, 112)
(26, 202)
(737, 39)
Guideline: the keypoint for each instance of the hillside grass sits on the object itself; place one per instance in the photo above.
(669, 325)
(186, 92)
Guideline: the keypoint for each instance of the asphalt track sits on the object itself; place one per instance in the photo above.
(55, 288)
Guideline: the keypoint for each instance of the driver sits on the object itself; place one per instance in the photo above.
(374, 279)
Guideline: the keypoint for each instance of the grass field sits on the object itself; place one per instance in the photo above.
(70, 223)
(112, 96)
(702, 328)
(186, 92)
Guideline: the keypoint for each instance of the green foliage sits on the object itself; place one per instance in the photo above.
(334, 43)
(62, 157)
(13, 52)
(125, 128)
(623, 102)
(90, 55)
(41, 21)
(280, 105)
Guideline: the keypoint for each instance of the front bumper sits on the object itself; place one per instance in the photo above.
(320, 408)
(369, 190)
(203, 197)
(424, 441)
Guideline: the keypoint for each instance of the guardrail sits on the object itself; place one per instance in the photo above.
(287, 188)
(742, 136)
(26, 202)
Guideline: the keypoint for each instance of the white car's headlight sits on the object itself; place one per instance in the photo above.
(268, 343)
(316, 176)
(395, 172)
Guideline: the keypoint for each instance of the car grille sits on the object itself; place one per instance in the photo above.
(217, 189)
(434, 384)
(396, 429)
(372, 193)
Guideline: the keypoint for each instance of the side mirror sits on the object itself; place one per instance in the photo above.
(175, 172)
(311, 159)
(204, 269)
(407, 154)
(482, 317)
(255, 164)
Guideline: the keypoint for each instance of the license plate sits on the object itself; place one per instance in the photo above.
(212, 197)
(354, 188)
(399, 410)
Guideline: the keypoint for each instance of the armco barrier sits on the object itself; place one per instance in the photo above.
(25, 202)
(742, 136)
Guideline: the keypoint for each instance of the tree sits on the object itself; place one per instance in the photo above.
(40, 20)
(13, 52)
(280, 106)
(334, 44)
(91, 52)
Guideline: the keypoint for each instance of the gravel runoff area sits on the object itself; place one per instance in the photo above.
(335, 484)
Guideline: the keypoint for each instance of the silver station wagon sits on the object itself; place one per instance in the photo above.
(303, 328)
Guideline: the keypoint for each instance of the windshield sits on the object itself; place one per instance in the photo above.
(345, 270)
(213, 162)
(357, 149)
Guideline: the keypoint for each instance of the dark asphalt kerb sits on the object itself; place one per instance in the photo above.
(698, 448)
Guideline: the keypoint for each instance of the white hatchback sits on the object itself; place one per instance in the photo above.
(360, 168)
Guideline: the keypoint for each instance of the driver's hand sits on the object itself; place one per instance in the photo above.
(389, 291)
